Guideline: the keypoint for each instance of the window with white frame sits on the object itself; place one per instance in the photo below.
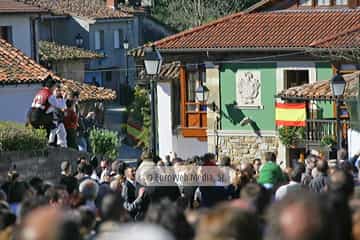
(118, 38)
(323, 2)
(305, 2)
(99, 40)
(341, 2)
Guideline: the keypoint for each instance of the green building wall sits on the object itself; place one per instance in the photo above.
(264, 118)
(324, 72)
(232, 115)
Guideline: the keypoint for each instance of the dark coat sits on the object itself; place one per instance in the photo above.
(211, 195)
(318, 184)
(133, 204)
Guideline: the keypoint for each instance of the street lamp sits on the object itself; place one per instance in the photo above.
(338, 85)
(79, 40)
(153, 61)
(126, 47)
(202, 93)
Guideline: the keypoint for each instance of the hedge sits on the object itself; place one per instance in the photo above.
(17, 137)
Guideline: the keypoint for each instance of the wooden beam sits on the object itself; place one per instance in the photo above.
(182, 76)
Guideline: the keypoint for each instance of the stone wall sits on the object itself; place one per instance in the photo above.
(44, 164)
(246, 148)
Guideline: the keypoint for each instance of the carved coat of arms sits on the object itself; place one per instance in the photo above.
(248, 88)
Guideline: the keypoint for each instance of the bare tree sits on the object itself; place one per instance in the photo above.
(349, 55)
(184, 14)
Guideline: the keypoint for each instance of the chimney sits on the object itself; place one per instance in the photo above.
(113, 4)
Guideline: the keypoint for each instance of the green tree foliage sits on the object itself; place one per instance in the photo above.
(17, 137)
(104, 143)
(139, 112)
(184, 14)
(289, 136)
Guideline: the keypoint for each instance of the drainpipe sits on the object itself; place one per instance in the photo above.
(34, 37)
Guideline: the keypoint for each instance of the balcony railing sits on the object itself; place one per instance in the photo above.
(195, 120)
(316, 129)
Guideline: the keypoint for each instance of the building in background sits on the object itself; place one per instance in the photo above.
(244, 60)
(19, 25)
(101, 26)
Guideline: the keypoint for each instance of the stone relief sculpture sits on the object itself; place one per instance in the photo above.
(248, 89)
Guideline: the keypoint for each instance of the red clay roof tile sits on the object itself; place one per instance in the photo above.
(12, 6)
(17, 68)
(345, 39)
(278, 29)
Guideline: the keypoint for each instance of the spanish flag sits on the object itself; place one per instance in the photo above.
(290, 114)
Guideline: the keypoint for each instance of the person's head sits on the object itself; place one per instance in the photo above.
(87, 220)
(88, 169)
(208, 158)
(170, 217)
(30, 204)
(298, 216)
(89, 189)
(112, 208)
(247, 169)
(121, 167)
(66, 168)
(295, 174)
(130, 173)
(81, 167)
(58, 91)
(74, 96)
(257, 164)
(341, 183)
(57, 196)
(257, 195)
(225, 161)
(69, 103)
(37, 184)
(322, 166)
(104, 164)
(341, 154)
(94, 162)
(224, 222)
(48, 223)
(49, 82)
(269, 157)
(82, 159)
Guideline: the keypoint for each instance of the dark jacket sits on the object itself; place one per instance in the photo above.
(132, 203)
(157, 193)
(318, 184)
(211, 195)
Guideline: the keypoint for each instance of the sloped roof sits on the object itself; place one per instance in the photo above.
(168, 72)
(52, 52)
(346, 39)
(93, 9)
(12, 6)
(322, 90)
(17, 68)
(277, 29)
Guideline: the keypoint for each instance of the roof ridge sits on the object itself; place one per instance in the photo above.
(331, 37)
(198, 28)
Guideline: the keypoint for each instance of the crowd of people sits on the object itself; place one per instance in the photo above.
(98, 199)
(58, 113)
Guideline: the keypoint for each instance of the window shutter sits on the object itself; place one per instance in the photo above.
(102, 39)
(97, 40)
(121, 37)
(116, 39)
